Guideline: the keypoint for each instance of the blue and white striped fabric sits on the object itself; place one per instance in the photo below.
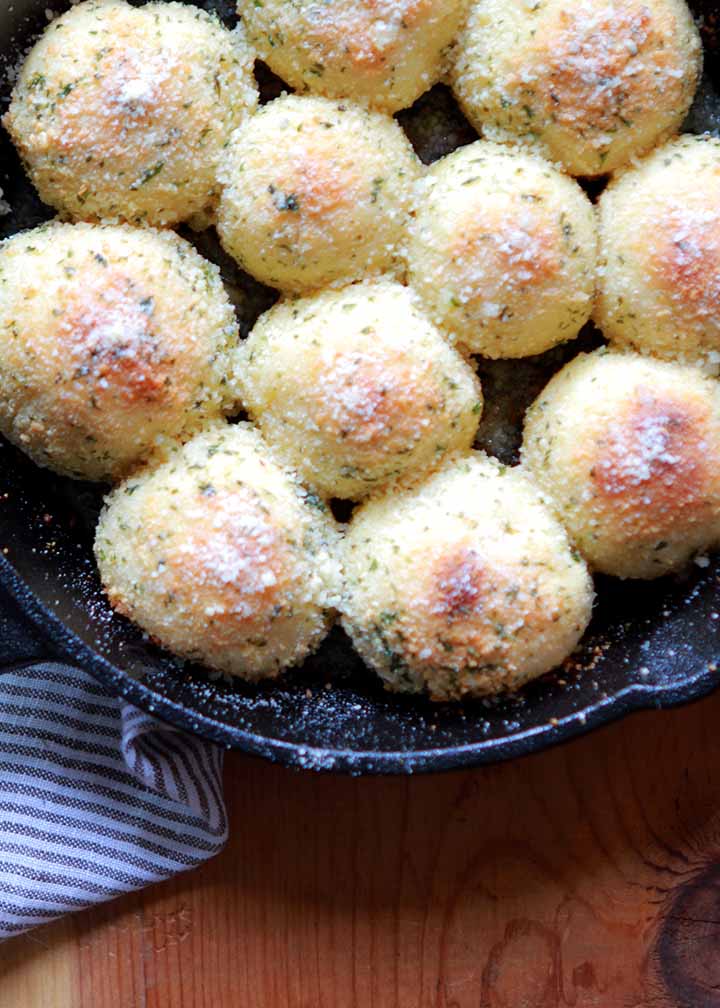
(96, 798)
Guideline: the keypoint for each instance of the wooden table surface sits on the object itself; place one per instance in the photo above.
(586, 876)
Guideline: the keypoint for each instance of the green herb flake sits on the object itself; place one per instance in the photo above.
(284, 201)
(377, 184)
(147, 175)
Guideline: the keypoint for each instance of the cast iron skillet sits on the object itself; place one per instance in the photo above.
(649, 645)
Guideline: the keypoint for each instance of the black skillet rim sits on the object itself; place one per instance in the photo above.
(633, 698)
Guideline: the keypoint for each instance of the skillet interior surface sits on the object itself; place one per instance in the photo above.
(649, 644)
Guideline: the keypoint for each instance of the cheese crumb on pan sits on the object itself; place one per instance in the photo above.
(221, 556)
(121, 113)
(628, 450)
(591, 83)
(112, 341)
(502, 250)
(356, 388)
(463, 586)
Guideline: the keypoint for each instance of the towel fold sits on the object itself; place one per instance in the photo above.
(96, 797)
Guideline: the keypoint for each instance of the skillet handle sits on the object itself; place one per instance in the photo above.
(19, 641)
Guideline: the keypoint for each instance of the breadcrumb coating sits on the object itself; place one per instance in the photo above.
(121, 113)
(316, 193)
(502, 250)
(220, 555)
(384, 53)
(659, 281)
(628, 449)
(356, 388)
(590, 84)
(463, 586)
(113, 342)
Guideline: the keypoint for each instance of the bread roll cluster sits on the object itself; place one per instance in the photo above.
(121, 360)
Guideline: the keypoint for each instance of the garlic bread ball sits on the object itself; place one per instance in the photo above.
(121, 113)
(383, 53)
(502, 251)
(659, 282)
(356, 388)
(628, 449)
(221, 556)
(315, 193)
(113, 340)
(590, 84)
(463, 586)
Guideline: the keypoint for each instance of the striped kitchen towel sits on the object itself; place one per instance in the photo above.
(96, 798)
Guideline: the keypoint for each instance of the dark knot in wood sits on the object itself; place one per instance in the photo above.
(688, 945)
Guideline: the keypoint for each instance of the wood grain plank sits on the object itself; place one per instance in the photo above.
(40, 968)
(587, 877)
